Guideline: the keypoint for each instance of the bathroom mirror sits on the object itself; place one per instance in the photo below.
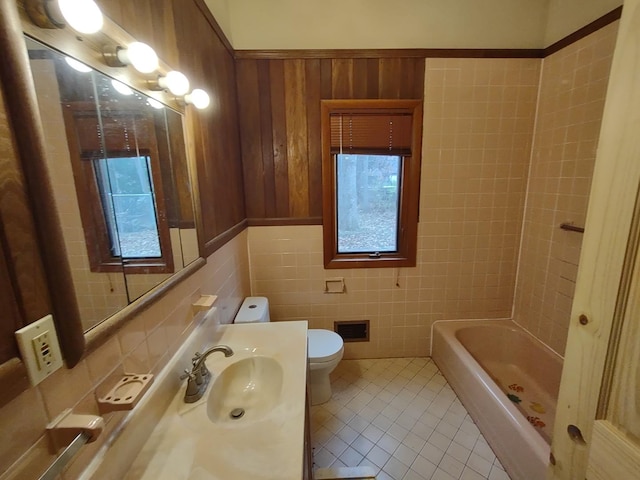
(121, 182)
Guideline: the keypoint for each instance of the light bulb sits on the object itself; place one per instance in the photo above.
(140, 55)
(176, 82)
(82, 15)
(121, 87)
(198, 98)
(76, 65)
(155, 103)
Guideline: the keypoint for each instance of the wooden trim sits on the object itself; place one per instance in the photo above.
(594, 26)
(97, 335)
(215, 25)
(215, 243)
(269, 222)
(391, 53)
(409, 193)
(22, 107)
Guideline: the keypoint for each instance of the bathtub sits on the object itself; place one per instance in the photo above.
(508, 381)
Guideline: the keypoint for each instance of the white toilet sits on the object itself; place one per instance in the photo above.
(325, 348)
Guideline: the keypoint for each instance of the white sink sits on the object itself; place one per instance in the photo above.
(245, 391)
(266, 378)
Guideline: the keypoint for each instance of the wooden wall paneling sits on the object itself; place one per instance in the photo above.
(411, 75)
(163, 30)
(373, 78)
(297, 140)
(279, 126)
(314, 145)
(205, 59)
(325, 79)
(419, 78)
(113, 10)
(136, 19)
(147, 21)
(226, 135)
(266, 130)
(289, 109)
(390, 76)
(232, 159)
(342, 78)
(250, 115)
(360, 78)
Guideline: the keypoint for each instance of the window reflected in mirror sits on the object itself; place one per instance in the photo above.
(118, 166)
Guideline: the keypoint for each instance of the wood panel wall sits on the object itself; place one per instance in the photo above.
(279, 113)
(185, 35)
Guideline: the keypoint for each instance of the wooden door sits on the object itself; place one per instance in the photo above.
(597, 429)
(615, 442)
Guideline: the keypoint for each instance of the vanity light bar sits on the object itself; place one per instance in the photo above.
(85, 16)
(198, 98)
(137, 54)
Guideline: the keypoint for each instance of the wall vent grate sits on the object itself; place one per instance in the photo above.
(352, 330)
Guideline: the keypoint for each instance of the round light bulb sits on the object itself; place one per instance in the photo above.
(198, 98)
(140, 55)
(82, 15)
(76, 65)
(121, 87)
(155, 103)
(176, 82)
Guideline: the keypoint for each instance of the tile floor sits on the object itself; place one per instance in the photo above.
(400, 417)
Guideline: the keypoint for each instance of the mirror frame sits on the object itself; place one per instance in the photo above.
(22, 109)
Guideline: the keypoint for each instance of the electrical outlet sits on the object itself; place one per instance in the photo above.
(40, 349)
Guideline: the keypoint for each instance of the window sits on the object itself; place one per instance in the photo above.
(371, 180)
(127, 201)
(118, 182)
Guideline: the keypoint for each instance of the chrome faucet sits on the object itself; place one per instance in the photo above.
(199, 375)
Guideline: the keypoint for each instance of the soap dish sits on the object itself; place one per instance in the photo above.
(126, 394)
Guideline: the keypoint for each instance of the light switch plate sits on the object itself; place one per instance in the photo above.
(39, 348)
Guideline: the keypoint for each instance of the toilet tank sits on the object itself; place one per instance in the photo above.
(253, 310)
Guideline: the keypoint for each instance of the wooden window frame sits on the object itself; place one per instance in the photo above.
(409, 194)
(91, 211)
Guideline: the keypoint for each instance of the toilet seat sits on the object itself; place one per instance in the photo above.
(324, 345)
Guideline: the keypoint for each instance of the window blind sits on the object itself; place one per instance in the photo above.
(386, 134)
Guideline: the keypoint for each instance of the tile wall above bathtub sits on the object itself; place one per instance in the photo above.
(572, 94)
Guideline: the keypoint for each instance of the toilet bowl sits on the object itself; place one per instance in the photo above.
(325, 348)
(325, 351)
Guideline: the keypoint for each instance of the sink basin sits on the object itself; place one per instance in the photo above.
(263, 383)
(245, 391)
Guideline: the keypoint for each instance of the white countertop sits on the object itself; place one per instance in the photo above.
(186, 444)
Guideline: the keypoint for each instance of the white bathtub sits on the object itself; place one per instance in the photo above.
(484, 361)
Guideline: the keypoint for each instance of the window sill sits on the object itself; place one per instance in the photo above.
(365, 262)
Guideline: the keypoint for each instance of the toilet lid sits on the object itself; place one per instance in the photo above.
(324, 345)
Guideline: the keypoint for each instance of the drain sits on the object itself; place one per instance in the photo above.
(236, 413)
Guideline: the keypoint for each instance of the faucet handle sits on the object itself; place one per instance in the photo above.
(187, 374)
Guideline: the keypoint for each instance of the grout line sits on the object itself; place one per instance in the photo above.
(426, 428)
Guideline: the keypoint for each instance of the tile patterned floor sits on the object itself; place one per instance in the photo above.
(400, 417)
